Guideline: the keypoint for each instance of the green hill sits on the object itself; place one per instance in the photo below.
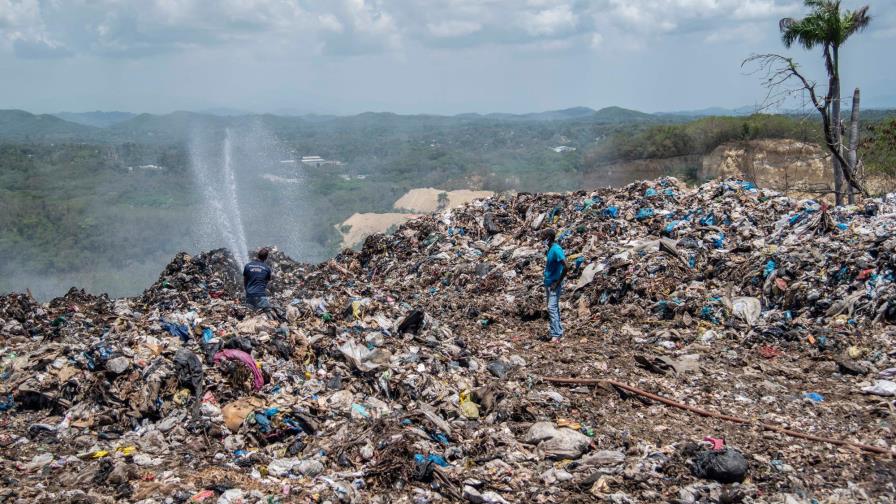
(97, 118)
(623, 115)
(21, 126)
(118, 127)
(168, 128)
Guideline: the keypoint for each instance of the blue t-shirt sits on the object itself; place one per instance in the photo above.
(256, 276)
(553, 267)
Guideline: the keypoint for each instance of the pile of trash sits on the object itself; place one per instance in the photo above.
(723, 344)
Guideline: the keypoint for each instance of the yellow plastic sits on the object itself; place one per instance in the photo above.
(468, 408)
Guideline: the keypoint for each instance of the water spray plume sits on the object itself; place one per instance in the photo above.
(217, 180)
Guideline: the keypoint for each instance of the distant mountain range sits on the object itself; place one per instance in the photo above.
(111, 127)
(114, 127)
(604, 115)
(609, 114)
(96, 118)
(18, 125)
(712, 111)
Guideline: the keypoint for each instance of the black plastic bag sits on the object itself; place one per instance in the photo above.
(190, 373)
(725, 466)
(423, 469)
(239, 343)
(488, 222)
(412, 323)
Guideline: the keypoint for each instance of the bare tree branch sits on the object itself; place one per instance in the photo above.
(778, 71)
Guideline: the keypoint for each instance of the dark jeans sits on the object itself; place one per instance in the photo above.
(258, 302)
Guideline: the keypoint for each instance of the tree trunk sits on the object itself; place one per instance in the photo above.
(853, 157)
(836, 126)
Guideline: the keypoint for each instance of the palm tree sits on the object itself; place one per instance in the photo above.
(828, 27)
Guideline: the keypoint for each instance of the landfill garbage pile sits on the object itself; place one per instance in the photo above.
(413, 370)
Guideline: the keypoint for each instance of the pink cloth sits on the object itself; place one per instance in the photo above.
(239, 355)
(717, 444)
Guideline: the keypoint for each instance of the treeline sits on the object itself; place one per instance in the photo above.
(700, 137)
(878, 148)
(67, 207)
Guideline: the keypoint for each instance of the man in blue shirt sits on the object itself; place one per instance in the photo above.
(554, 273)
(256, 275)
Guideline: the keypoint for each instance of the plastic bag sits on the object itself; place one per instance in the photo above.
(747, 308)
(467, 406)
(881, 388)
(412, 323)
(725, 466)
(363, 358)
(189, 370)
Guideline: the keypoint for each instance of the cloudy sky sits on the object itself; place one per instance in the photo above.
(408, 56)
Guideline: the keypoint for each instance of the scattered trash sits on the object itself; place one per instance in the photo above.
(411, 370)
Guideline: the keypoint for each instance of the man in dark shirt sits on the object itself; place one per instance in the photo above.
(256, 275)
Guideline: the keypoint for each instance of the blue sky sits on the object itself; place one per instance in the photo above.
(409, 56)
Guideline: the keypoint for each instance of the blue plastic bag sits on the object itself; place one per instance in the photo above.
(770, 267)
(179, 330)
(435, 459)
(814, 396)
(644, 213)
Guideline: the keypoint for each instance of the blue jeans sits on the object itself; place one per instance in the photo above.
(556, 328)
(258, 302)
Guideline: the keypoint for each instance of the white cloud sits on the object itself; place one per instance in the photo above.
(656, 17)
(23, 31)
(549, 21)
(690, 15)
(39, 48)
(369, 27)
(763, 9)
(133, 28)
(543, 3)
(331, 23)
(16, 14)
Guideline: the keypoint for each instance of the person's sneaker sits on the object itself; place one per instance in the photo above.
(545, 337)
(556, 340)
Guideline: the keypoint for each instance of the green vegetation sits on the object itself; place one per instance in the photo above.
(70, 207)
(700, 136)
(878, 151)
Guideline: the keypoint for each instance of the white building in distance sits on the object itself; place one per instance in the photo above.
(318, 161)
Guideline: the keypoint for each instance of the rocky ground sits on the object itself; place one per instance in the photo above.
(413, 370)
